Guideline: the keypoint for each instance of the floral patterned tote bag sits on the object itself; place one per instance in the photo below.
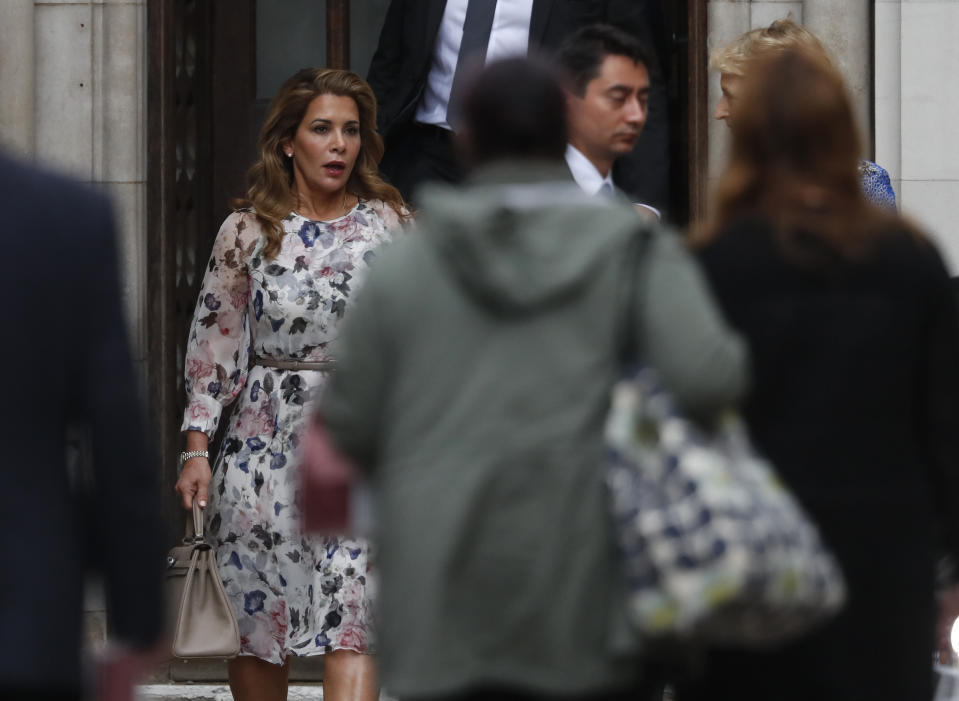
(715, 548)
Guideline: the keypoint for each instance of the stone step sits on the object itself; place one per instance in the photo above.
(216, 692)
(221, 692)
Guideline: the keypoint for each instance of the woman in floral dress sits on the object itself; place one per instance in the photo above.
(281, 277)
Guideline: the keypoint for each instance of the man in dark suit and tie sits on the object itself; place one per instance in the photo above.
(67, 362)
(428, 48)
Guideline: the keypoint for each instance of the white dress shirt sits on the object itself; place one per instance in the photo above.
(592, 181)
(585, 173)
(508, 38)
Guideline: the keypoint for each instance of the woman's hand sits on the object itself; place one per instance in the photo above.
(194, 482)
(196, 474)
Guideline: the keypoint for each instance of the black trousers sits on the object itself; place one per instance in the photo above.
(417, 154)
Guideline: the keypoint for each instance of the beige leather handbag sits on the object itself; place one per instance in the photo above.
(204, 625)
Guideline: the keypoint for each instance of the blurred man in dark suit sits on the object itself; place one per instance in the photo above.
(427, 48)
(66, 362)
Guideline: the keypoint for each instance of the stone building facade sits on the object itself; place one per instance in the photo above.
(73, 98)
(915, 102)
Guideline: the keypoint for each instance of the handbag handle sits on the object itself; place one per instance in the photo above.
(194, 525)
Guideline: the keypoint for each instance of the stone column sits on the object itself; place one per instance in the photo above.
(762, 13)
(727, 19)
(64, 88)
(928, 62)
(887, 59)
(119, 144)
(17, 113)
(844, 29)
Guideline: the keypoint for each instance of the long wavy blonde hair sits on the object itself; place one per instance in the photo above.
(270, 191)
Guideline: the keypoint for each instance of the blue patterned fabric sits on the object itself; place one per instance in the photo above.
(876, 185)
(714, 547)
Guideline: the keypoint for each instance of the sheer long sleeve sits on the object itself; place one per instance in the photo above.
(218, 348)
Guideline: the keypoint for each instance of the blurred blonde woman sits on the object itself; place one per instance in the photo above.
(283, 272)
(731, 63)
(854, 336)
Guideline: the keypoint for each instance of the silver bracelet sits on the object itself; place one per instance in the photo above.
(187, 454)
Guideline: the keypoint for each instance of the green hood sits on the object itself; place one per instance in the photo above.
(522, 236)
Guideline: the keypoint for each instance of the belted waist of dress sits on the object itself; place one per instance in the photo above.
(289, 364)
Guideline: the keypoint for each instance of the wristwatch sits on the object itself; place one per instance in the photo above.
(187, 454)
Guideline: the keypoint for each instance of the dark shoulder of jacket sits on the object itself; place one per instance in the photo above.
(748, 236)
(78, 218)
(898, 247)
(25, 187)
(748, 248)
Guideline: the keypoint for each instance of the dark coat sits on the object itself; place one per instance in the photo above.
(401, 64)
(855, 400)
(66, 361)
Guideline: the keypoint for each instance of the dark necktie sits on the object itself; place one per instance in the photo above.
(476, 31)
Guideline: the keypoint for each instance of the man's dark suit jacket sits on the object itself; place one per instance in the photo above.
(66, 361)
(401, 64)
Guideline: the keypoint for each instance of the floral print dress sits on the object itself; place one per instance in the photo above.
(292, 593)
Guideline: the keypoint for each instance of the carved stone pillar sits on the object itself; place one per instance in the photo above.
(17, 74)
(845, 29)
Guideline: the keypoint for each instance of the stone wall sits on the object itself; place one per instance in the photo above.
(917, 64)
(74, 88)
